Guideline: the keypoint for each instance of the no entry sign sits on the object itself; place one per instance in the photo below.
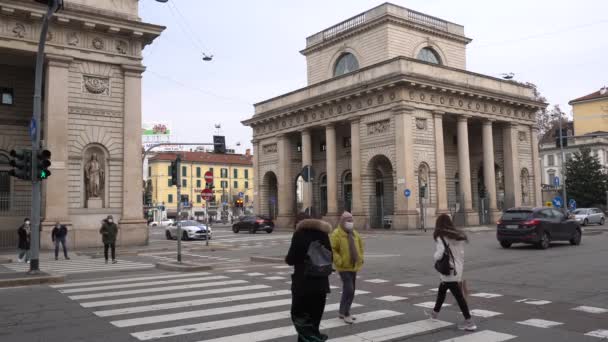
(208, 177)
(207, 194)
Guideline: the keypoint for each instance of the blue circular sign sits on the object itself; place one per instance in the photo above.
(572, 204)
(557, 202)
(407, 193)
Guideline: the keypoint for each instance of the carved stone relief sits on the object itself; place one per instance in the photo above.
(19, 30)
(97, 43)
(378, 127)
(271, 148)
(421, 123)
(96, 85)
(522, 136)
(73, 39)
(121, 47)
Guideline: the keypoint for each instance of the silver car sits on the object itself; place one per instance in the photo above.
(190, 230)
(587, 216)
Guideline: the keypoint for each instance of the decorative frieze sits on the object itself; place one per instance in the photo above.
(94, 112)
(270, 148)
(522, 136)
(378, 127)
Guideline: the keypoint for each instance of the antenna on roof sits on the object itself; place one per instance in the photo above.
(603, 90)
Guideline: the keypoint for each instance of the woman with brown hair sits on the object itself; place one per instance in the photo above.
(451, 240)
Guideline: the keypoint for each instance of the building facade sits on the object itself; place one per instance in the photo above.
(91, 116)
(591, 112)
(233, 176)
(396, 129)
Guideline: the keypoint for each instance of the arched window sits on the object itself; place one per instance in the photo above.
(347, 191)
(345, 64)
(428, 54)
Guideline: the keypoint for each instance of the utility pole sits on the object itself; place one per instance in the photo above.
(178, 161)
(53, 6)
(563, 168)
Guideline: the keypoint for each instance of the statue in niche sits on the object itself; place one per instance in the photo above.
(94, 177)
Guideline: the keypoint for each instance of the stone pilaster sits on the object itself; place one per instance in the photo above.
(55, 133)
(332, 173)
(442, 191)
(464, 170)
(285, 186)
(512, 172)
(256, 178)
(538, 198)
(489, 174)
(406, 216)
(133, 228)
(356, 170)
(307, 160)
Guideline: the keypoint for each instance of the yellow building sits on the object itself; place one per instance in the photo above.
(591, 112)
(232, 177)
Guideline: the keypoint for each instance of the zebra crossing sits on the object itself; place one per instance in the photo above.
(232, 306)
(78, 264)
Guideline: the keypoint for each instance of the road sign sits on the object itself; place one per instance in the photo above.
(241, 194)
(207, 194)
(548, 204)
(557, 202)
(407, 193)
(208, 177)
(572, 204)
(33, 129)
(556, 181)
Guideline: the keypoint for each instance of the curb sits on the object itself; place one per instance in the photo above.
(274, 260)
(25, 280)
(183, 267)
(211, 248)
(5, 261)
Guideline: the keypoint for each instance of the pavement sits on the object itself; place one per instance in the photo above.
(517, 294)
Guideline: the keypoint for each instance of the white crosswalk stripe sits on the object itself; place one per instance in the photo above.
(227, 307)
(79, 264)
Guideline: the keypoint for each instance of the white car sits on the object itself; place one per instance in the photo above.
(190, 230)
(162, 223)
(587, 216)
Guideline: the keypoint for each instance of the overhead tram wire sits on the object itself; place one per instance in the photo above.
(187, 24)
(186, 29)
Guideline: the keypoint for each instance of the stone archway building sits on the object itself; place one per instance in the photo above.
(91, 104)
(392, 82)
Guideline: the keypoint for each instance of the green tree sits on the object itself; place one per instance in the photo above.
(586, 180)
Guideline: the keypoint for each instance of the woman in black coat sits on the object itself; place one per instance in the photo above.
(308, 293)
(24, 232)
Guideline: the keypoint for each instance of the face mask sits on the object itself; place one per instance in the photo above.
(110, 221)
(27, 223)
(349, 225)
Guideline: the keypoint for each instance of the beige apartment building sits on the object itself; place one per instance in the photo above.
(390, 109)
(91, 116)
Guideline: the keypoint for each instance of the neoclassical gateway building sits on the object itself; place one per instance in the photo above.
(91, 116)
(396, 129)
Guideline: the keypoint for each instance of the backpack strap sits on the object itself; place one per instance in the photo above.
(449, 251)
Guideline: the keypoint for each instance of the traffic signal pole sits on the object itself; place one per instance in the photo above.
(563, 168)
(35, 131)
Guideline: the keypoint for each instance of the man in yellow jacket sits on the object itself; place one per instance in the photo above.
(347, 248)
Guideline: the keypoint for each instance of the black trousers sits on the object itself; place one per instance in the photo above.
(456, 290)
(111, 245)
(306, 313)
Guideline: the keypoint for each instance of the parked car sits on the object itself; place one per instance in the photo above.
(162, 223)
(587, 216)
(539, 226)
(191, 230)
(253, 223)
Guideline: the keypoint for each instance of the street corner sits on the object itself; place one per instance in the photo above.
(183, 266)
(15, 279)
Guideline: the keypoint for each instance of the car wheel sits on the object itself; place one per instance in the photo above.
(184, 236)
(168, 235)
(585, 222)
(602, 221)
(252, 230)
(505, 244)
(235, 229)
(576, 239)
(268, 231)
(545, 241)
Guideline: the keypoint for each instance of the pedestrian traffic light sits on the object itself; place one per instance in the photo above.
(22, 164)
(219, 144)
(175, 171)
(43, 164)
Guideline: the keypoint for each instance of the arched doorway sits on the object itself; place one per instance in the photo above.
(381, 202)
(269, 195)
(482, 195)
(347, 191)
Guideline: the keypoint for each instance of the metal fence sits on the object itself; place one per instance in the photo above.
(12, 204)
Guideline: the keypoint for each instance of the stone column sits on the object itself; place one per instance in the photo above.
(55, 133)
(442, 192)
(307, 160)
(489, 172)
(286, 187)
(355, 153)
(332, 173)
(538, 197)
(406, 216)
(133, 228)
(464, 170)
(257, 205)
(512, 172)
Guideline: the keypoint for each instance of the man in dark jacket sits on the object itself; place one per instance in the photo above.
(308, 293)
(109, 231)
(58, 235)
(24, 233)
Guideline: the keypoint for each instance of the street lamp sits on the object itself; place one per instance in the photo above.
(563, 164)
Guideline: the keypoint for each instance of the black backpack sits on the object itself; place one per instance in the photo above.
(443, 265)
(318, 262)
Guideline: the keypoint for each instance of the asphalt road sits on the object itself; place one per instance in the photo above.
(519, 294)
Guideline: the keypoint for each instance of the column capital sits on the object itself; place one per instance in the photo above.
(463, 118)
(304, 131)
(438, 113)
(356, 119)
(488, 122)
(133, 70)
(330, 125)
(58, 60)
(402, 108)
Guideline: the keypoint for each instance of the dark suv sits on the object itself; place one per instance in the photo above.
(253, 223)
(537, 226)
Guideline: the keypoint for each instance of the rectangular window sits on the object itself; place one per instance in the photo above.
(236, 184)
(246, 185)
(169, 183)
(551, 160)
(184, 171)
(169, 170)
(198, 198)
(236, 173)
(299, 147)
(7, 96)
(323, 146)
(198, 183)
(184, 183)
(170, 198)
(198, 172)
(224, 173)
(246, 173)
(224, 184)
(211, 170)
(246, 198)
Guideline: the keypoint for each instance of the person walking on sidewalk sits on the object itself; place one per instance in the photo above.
(347, 248)
(450, 239)
(309, 284)
(24, 233)
(59, 235)
(109, 231)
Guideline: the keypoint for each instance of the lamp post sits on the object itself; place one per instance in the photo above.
(563, 165)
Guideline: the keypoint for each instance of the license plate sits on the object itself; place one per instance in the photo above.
(512, 226)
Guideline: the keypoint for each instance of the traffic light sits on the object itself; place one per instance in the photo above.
(22, 164)
(219, 144)
(175, 171)
(239, 203)
(43, 164)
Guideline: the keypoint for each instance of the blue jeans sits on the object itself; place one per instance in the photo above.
(24, 253)
(348, 292)
(65, 250)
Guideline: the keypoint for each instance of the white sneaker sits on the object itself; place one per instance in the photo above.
(349, 320)
(468, 325)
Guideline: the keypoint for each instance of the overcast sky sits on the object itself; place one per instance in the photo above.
(560, 45)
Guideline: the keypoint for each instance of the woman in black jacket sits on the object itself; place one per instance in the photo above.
(24, 232)
(308, 293)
